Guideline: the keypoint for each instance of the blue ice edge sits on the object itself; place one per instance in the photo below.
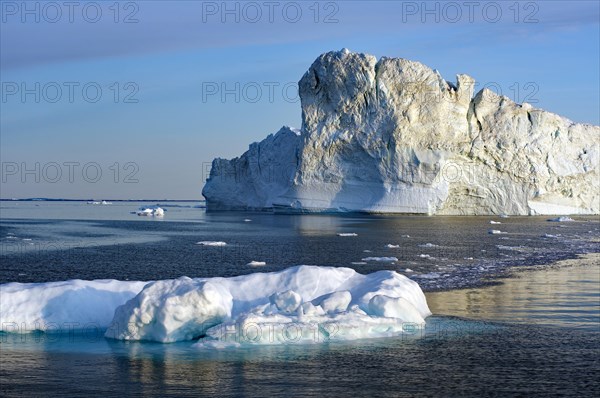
(92, 341)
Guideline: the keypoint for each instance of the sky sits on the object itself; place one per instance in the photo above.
(133, 99)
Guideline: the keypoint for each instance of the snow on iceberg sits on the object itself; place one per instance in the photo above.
(299, 304)
(45, 306)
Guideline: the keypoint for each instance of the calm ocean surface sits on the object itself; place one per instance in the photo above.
(535, 334)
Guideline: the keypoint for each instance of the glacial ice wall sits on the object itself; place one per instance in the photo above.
(392, 136)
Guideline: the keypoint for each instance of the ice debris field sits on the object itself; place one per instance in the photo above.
(302, 304)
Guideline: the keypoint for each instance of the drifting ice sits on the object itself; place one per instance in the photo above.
(312, 302)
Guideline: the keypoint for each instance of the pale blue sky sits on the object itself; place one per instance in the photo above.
(549, 51)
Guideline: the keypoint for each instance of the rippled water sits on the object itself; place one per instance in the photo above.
(535, 334)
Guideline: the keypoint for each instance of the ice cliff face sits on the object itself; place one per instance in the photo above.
(392, 136)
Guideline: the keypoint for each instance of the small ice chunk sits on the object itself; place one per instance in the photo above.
(406, 236)
(366, 251)
(391, 246)
(381, 259)
(247, 220)
(408, 270)
(503, 216)
(286, 302)
(334, 302)
(358, 263)
(256, 263)
(211, 243)
(309, 309)
(154, 211)
(495, 222)
(495, 232)
(428, 245)
(347, 234)
(561, 219)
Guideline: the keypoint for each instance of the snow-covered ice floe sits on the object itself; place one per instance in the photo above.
(300, 304)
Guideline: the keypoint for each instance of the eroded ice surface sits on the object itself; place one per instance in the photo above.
(299, 304)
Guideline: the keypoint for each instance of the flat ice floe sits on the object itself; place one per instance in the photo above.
(211, 243)
(347, 234)
(495, 232)
(256, 263)
(381, 259)
(300, 304)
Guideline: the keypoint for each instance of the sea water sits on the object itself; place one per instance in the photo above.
(533, 334)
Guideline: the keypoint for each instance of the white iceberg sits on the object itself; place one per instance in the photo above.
(299, 304)
(393, 136)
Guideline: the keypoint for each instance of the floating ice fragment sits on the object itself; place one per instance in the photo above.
(211, 243)
(380, 259)
(339, 300)
(257, 263)
(561, 219)
(347, 234)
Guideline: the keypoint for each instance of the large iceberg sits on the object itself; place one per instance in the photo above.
(392, 136)
(299, 304)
